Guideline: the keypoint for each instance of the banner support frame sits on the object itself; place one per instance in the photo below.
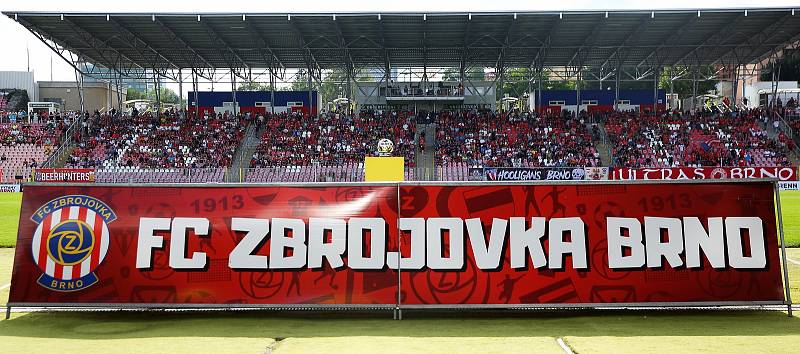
(398, 304)
(8, 312)
(398, 313)
(783, 250)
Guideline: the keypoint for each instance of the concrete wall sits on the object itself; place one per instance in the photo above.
(22, 80)
(97, 95)
(751, 91)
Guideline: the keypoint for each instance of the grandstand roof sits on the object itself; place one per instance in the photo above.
(326, 40)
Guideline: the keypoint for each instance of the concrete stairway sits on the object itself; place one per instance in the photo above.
(243, 154)
(794, 157)
(61, 160)
(603, 145)
(60, 157)
(425, 160)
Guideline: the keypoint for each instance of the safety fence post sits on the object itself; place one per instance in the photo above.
(783, 250)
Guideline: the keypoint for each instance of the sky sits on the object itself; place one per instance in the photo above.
(16, 38)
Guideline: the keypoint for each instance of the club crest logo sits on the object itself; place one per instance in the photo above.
(71, 241)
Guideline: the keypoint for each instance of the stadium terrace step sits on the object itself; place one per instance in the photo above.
(25, 146)
(601, 141)
(242, 154)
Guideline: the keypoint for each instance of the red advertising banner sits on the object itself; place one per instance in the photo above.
(499, 244)
(787, 173)
(81, 175)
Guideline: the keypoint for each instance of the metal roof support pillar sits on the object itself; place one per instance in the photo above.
(774, 84)
(578, 93)
(180, 93)
(310, 98)
(109, 97)
(600, 78)
(119, 90)
(79, 83)
(272, 91)
(348, 88)
(672, 89)
(735, 85)
(616, 88)
(158, 93)
(501, 80)
(539, 93)
(530, 81)
(656, 73)
(233, 92)
(195, 87)
(744, 86)
(694, 89)
(388, 74)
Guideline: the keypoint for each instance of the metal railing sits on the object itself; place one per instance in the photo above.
(309, 173)
(245, 147)
(395, 91)
(160, 175)
(66, 144)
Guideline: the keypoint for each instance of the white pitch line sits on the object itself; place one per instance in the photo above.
(5, 286)
(793, 261)
(564, 346)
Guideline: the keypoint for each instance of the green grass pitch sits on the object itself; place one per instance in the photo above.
(9, 218)
(430, 332)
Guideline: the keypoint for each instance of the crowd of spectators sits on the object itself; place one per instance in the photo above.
(169, 140)
(475, 138)
(25, 146)
(483, 138)
(45, 135)
(790, 112)
(698, 139)
(295, 139)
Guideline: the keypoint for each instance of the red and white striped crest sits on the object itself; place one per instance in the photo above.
(69, 272)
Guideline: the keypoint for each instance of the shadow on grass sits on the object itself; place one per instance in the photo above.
(267, 324)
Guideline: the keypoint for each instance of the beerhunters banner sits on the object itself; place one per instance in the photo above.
(64, 175)
(572, 243)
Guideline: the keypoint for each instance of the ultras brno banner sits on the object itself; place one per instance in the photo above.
(487, 244)
(787, 175)
(782, 173)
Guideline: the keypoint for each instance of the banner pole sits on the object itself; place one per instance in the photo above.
(8, 312)
(783, 250)
(398, 314)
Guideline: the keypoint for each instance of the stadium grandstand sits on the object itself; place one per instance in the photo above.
(452, 91)
(193, 222)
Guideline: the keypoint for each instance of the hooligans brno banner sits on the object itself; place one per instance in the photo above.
(527, 174)
(487, 244)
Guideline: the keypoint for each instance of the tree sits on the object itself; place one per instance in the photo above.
(300, 82)
(516, 82)
(472, 74)
(16, 99)
(167, 95)
(134, 94)
(333, 84)
(252, 86)
(682, 86)
(789, 66)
